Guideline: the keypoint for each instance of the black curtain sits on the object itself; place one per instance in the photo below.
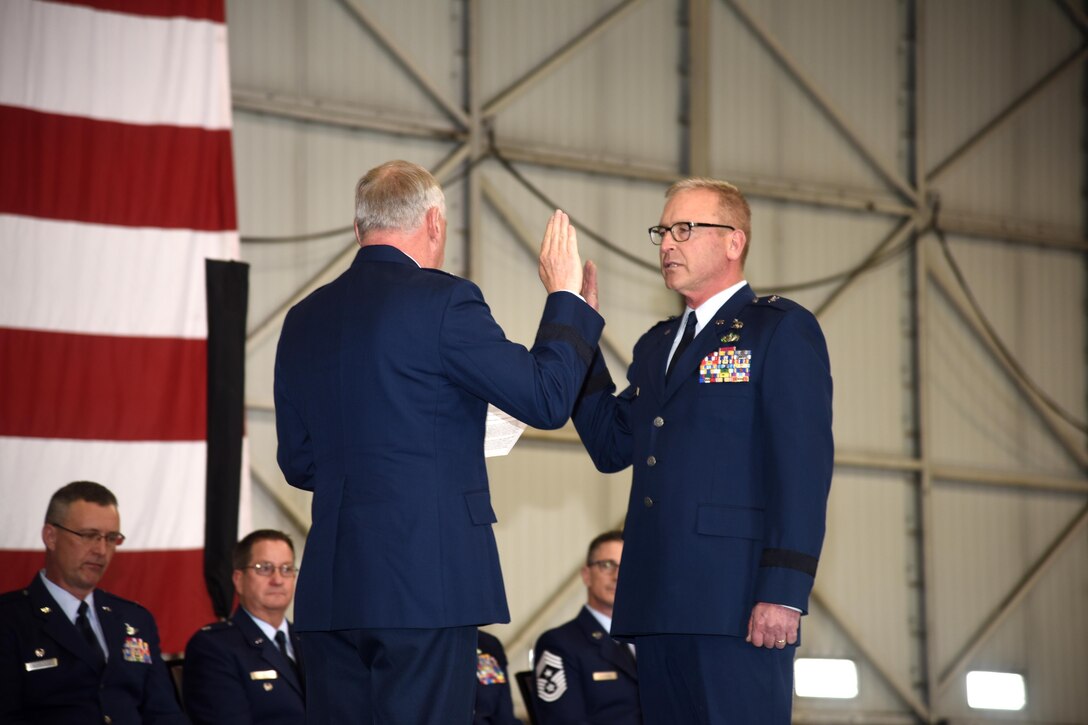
(227, 288)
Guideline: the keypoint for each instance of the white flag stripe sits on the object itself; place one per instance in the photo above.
(157, 487)
(77, 61)
(123, 281)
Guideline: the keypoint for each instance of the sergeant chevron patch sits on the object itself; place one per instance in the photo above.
(551, 680)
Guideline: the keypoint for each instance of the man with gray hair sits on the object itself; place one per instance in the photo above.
(382, 383)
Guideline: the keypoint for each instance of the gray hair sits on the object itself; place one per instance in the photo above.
(396, 196)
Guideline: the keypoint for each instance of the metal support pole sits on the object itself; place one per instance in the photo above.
(506, 96)
(401, 58)
(1013, 598)
(823, 103)
(695, 87)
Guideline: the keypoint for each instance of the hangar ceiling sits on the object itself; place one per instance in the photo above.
(917, 174)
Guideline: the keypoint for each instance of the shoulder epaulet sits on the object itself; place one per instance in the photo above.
(438, 271)
(14, 595)
(102, 596)
(217, 626)
(778, 303)
(667, 321)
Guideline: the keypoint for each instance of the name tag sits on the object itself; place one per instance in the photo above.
(601, 676)
(41, 664)
(263, 675)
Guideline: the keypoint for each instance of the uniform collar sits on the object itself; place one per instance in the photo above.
(68, 602)
(708, 309)
(268, 630)
(603, 619)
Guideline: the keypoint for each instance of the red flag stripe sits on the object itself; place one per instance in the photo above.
(64, 167)
(137, 575)
(125, 388)
(197, 9)
(76, 62)
(126, 280)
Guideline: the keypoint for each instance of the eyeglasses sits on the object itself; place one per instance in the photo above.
(90, 538)
(266, 568)
(607, 566)
(681, 231)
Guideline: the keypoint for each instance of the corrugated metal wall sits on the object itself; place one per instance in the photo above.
(957, 527)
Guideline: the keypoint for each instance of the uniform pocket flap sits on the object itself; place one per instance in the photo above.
(479, 508)
(741, 523)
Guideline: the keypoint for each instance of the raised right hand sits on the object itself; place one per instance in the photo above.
(560, 266)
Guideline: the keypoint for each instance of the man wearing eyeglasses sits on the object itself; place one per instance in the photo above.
(70, 652)
(247, 670)
(726, 420)
(582, 674)
(382, 383)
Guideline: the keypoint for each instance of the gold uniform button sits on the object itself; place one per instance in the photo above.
(651, 461)
(659, 421)
(648, 502)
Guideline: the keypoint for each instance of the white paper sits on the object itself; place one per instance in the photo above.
(503, 431)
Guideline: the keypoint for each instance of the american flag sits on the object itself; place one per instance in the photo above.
(116, 184)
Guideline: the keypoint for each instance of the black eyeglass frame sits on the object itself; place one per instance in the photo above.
(660, 231)
(90, 538)
(265, 568)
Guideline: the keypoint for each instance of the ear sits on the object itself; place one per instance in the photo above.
(585, 575)
(49, 537)
(236, 577)
(434, 224)
(738, 240)
(358, 236)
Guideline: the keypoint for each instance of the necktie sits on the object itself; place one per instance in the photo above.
(84, 626)
(685, 340)
(281, 642)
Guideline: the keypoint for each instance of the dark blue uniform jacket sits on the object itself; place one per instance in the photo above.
(49, 675)
(584, 676)
(382, 383)
(732, 463)
(234, 675)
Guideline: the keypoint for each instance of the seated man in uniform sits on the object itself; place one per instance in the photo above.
(494, 703)
(582, 674)
(71, 653)
(247, 670)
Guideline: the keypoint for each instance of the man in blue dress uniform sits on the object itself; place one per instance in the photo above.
(71, 653)
(582, 674)
(382, 383)
(726, 419)
(494, 701)
(248, 669)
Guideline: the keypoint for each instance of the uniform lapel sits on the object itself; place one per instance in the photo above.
(113, 629)
(659, 356)
(56, 624)
(618, 654)
(299, 668)
(610, 650)
(708, 339)
(268, 650)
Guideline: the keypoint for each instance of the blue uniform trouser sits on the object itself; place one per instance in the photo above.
(390, 676)
(713, 680)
